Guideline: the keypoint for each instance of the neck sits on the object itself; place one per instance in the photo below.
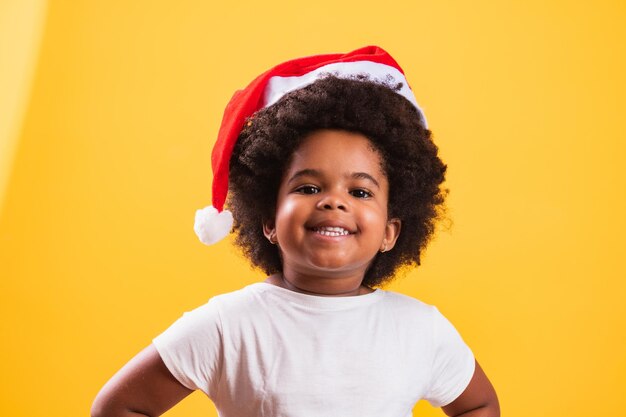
(325, 287)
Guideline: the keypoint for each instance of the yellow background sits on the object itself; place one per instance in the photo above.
(109, 110)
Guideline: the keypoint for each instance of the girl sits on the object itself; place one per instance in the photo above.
(333, 183)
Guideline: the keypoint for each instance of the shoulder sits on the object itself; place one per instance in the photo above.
(233, 299)
(242, 308)
(246, 298)
(413, 313)
(211, 313)
(406, 304)
(412, 307)
(206, 322)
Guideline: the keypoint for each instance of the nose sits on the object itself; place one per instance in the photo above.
(331, 201)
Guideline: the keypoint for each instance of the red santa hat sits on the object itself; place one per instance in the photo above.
(213, 223)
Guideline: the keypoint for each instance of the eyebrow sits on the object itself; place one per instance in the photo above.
(365, 176)
(315, 173)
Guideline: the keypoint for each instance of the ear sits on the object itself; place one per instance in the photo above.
(269, 230)
(392, 232)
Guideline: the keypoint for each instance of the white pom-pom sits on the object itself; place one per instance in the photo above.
(211, 226)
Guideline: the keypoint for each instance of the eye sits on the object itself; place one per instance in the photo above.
(360, 193)
(307, 189)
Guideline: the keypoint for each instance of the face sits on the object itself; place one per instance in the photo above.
(331, 216)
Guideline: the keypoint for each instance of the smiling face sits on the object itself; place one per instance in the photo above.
(331, 214)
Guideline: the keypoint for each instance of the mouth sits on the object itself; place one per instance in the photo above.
(331, 231)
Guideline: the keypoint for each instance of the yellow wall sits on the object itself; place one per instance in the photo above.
(526, 99)
(21, 27)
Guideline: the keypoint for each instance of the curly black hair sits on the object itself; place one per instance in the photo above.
(371, 108)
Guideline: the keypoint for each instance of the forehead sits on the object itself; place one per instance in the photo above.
(337, 151)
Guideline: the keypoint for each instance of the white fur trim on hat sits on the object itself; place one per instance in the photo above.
(211, 226)
(278, 86)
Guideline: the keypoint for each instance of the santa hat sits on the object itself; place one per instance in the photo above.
(213, 223)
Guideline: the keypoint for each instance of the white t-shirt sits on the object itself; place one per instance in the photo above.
(266, 351)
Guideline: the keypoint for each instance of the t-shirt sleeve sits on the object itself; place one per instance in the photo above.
(191, 348)
(453, 363)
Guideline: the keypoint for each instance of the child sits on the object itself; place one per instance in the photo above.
(334, 183)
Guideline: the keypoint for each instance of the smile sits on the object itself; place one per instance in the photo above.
(331, 231)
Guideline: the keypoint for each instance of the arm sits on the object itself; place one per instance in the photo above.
(478, 400)
(143, 387)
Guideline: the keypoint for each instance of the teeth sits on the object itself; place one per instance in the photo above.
(332, 231)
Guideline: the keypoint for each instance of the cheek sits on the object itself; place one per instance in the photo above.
(375, 219)
(287, 212)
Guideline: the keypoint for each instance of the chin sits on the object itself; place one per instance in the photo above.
(335, 266)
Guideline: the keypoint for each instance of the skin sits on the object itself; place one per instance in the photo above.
(334, 179)
(143, 387)
(478, 400)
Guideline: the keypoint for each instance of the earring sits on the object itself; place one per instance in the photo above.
(384, 249)
(273, 240)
